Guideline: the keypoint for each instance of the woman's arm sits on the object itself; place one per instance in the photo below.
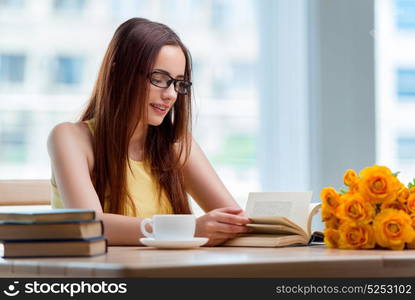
(70, 151)
(224, 218)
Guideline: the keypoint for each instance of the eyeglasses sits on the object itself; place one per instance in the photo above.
(163, 80)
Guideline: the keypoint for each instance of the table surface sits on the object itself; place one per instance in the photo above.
(135, 261)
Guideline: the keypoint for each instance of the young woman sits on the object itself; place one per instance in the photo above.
(132, 155)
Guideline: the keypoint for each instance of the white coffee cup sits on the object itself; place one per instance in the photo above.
(170, 227)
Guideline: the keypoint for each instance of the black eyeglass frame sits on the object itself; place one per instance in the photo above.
(169, 82)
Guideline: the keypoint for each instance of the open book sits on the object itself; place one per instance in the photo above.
(279, 219)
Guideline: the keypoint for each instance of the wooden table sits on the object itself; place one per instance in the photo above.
(314, 261)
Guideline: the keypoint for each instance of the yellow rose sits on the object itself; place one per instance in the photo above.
(403, 195)
(412, 216)
(356, 236)
(330, 199)
(354, 208)
(395, 204)
(330, 219)
(393, 228)
(410, 203)
(331, 237)
(350, 178)
(377, 184)
(411, 245)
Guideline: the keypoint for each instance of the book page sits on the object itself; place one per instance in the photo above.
(291, 205)
(314, 209)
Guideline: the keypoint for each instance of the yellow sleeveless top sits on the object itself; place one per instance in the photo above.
(141, 187)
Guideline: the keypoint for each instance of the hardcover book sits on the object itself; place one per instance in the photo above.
(26, 230)
(49, 215)
(36, 248)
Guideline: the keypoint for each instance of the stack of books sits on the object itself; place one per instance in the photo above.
(54, 232)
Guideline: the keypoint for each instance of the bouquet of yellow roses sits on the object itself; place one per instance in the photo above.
(375, 210)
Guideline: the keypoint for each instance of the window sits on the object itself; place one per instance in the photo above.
(68, 70)
(12, 68)
(405, 14)
(69, 6)
(406, 149)
(130, 8)
(405, 83)
(12, 4)
(219, 13)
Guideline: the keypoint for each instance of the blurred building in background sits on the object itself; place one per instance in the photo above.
(395, 60)
(51, 50)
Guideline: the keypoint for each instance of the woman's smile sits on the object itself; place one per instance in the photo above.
(160, 108)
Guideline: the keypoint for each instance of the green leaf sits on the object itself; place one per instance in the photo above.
(411, 184)
(396, 174)
(343, 191)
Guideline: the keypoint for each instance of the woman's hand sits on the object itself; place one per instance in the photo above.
(221, 224)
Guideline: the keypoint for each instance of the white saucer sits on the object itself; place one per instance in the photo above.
(195, 242)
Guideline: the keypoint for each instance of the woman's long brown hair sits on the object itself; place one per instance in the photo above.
(118, 104)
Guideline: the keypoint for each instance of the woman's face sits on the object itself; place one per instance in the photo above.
(170, 61)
